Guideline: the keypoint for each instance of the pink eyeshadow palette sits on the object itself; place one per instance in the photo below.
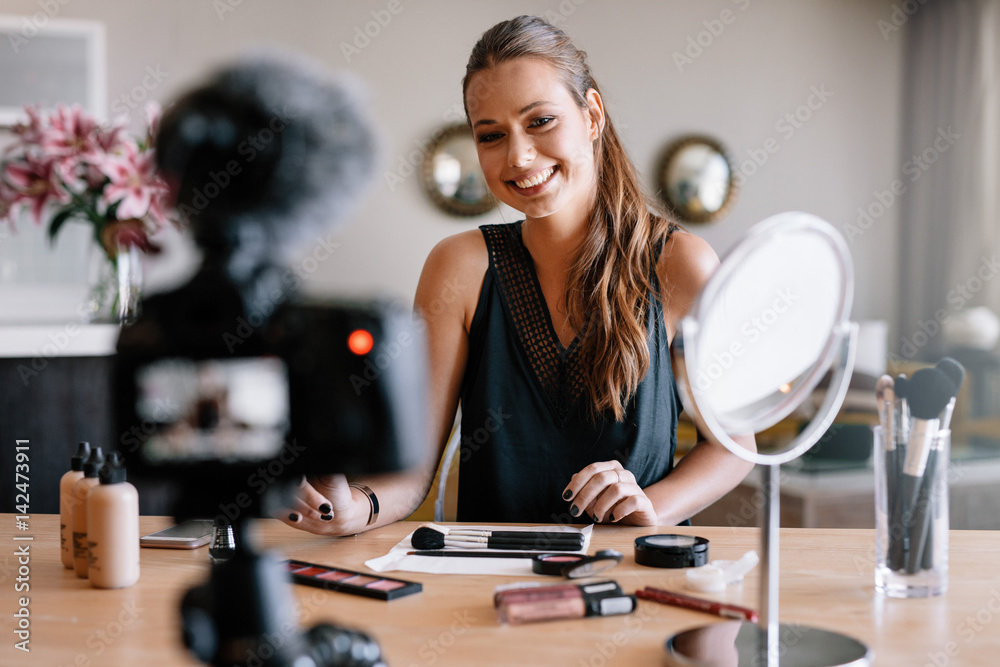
(348, 581)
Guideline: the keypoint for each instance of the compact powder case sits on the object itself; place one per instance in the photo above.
(671, 551)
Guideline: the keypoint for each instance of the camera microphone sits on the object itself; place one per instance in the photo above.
(261, 159)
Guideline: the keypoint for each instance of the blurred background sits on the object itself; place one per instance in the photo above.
(880, 116)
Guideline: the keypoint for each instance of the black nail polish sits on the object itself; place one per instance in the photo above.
(293, 517)
(327, 517)
(567, 494)
(574, 510)
(325, 508)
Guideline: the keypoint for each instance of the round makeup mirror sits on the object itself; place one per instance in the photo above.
(768, 326)
(450, 174)
(765, 330)
(695, 179)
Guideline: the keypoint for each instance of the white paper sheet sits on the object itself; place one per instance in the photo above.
(398, 560)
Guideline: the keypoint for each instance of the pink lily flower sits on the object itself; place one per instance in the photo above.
(30, 132)
(133, 181)
(35, 182)
(71, 132)
(65, 164)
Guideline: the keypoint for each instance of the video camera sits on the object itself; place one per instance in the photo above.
(230, 388)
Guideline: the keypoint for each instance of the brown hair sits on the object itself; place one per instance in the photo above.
(610, 280)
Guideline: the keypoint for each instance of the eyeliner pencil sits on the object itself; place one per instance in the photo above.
(687, 602)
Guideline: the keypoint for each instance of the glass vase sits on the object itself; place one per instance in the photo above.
(115, 285)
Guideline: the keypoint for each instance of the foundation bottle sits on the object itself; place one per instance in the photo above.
(80, 491)
(66, 503)
(113, 527)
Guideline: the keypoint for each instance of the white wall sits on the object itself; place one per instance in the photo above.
(763, 65)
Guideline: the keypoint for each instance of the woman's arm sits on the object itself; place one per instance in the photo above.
(446, 298)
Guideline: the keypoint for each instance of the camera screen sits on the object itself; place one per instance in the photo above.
(215, 409)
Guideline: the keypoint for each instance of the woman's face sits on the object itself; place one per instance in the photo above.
(535, 144)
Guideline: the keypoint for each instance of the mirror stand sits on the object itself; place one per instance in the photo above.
(770, 643)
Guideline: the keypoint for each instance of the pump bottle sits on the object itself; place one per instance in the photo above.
(80, 491)
(113, 527)
(66, 503)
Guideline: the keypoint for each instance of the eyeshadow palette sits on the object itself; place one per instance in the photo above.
(348, 581)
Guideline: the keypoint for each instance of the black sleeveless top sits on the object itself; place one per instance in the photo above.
(525, 423)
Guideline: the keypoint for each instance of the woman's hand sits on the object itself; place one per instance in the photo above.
(609, 493)
(325, 505)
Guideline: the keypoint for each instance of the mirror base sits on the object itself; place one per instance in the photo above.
(741, 644)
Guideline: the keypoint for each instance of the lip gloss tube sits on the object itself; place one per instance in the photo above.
(533, 592)
(567, 601)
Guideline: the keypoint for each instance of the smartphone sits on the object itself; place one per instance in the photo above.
(185, 535)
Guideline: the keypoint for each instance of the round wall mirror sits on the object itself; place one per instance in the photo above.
(766, 329)
(450, 173)
(695, 179)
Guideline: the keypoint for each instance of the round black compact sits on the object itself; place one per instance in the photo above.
(575, 566)
(671, 551)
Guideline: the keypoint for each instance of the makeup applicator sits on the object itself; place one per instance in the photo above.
(925, 547)
(885, 396)
(956, 372)
(898, 535)
(426, 538)
(928, 393)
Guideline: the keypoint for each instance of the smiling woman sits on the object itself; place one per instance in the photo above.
(561, 322)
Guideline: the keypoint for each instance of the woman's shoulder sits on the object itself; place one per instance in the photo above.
(685, 254)
(465, 251)
(685, 264)
(453, 273)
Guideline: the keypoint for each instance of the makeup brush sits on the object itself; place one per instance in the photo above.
(898, 536)
(519, 534)
(928, 394)
(425, 538)
(885, 396)
(956, 373)
(901, 387)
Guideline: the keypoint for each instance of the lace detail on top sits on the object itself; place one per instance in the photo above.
(558, 370)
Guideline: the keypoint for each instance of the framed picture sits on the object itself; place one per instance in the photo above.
(45, 61)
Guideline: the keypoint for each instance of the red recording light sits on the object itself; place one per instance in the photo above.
(360, 342)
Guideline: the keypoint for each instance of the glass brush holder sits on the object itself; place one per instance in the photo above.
(911, 511)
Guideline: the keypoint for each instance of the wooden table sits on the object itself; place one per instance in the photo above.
(827, 582)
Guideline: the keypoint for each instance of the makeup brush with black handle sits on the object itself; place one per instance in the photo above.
(928, 394)
(898, 536)
(885, 395)
(956, 373)
(425, 538)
